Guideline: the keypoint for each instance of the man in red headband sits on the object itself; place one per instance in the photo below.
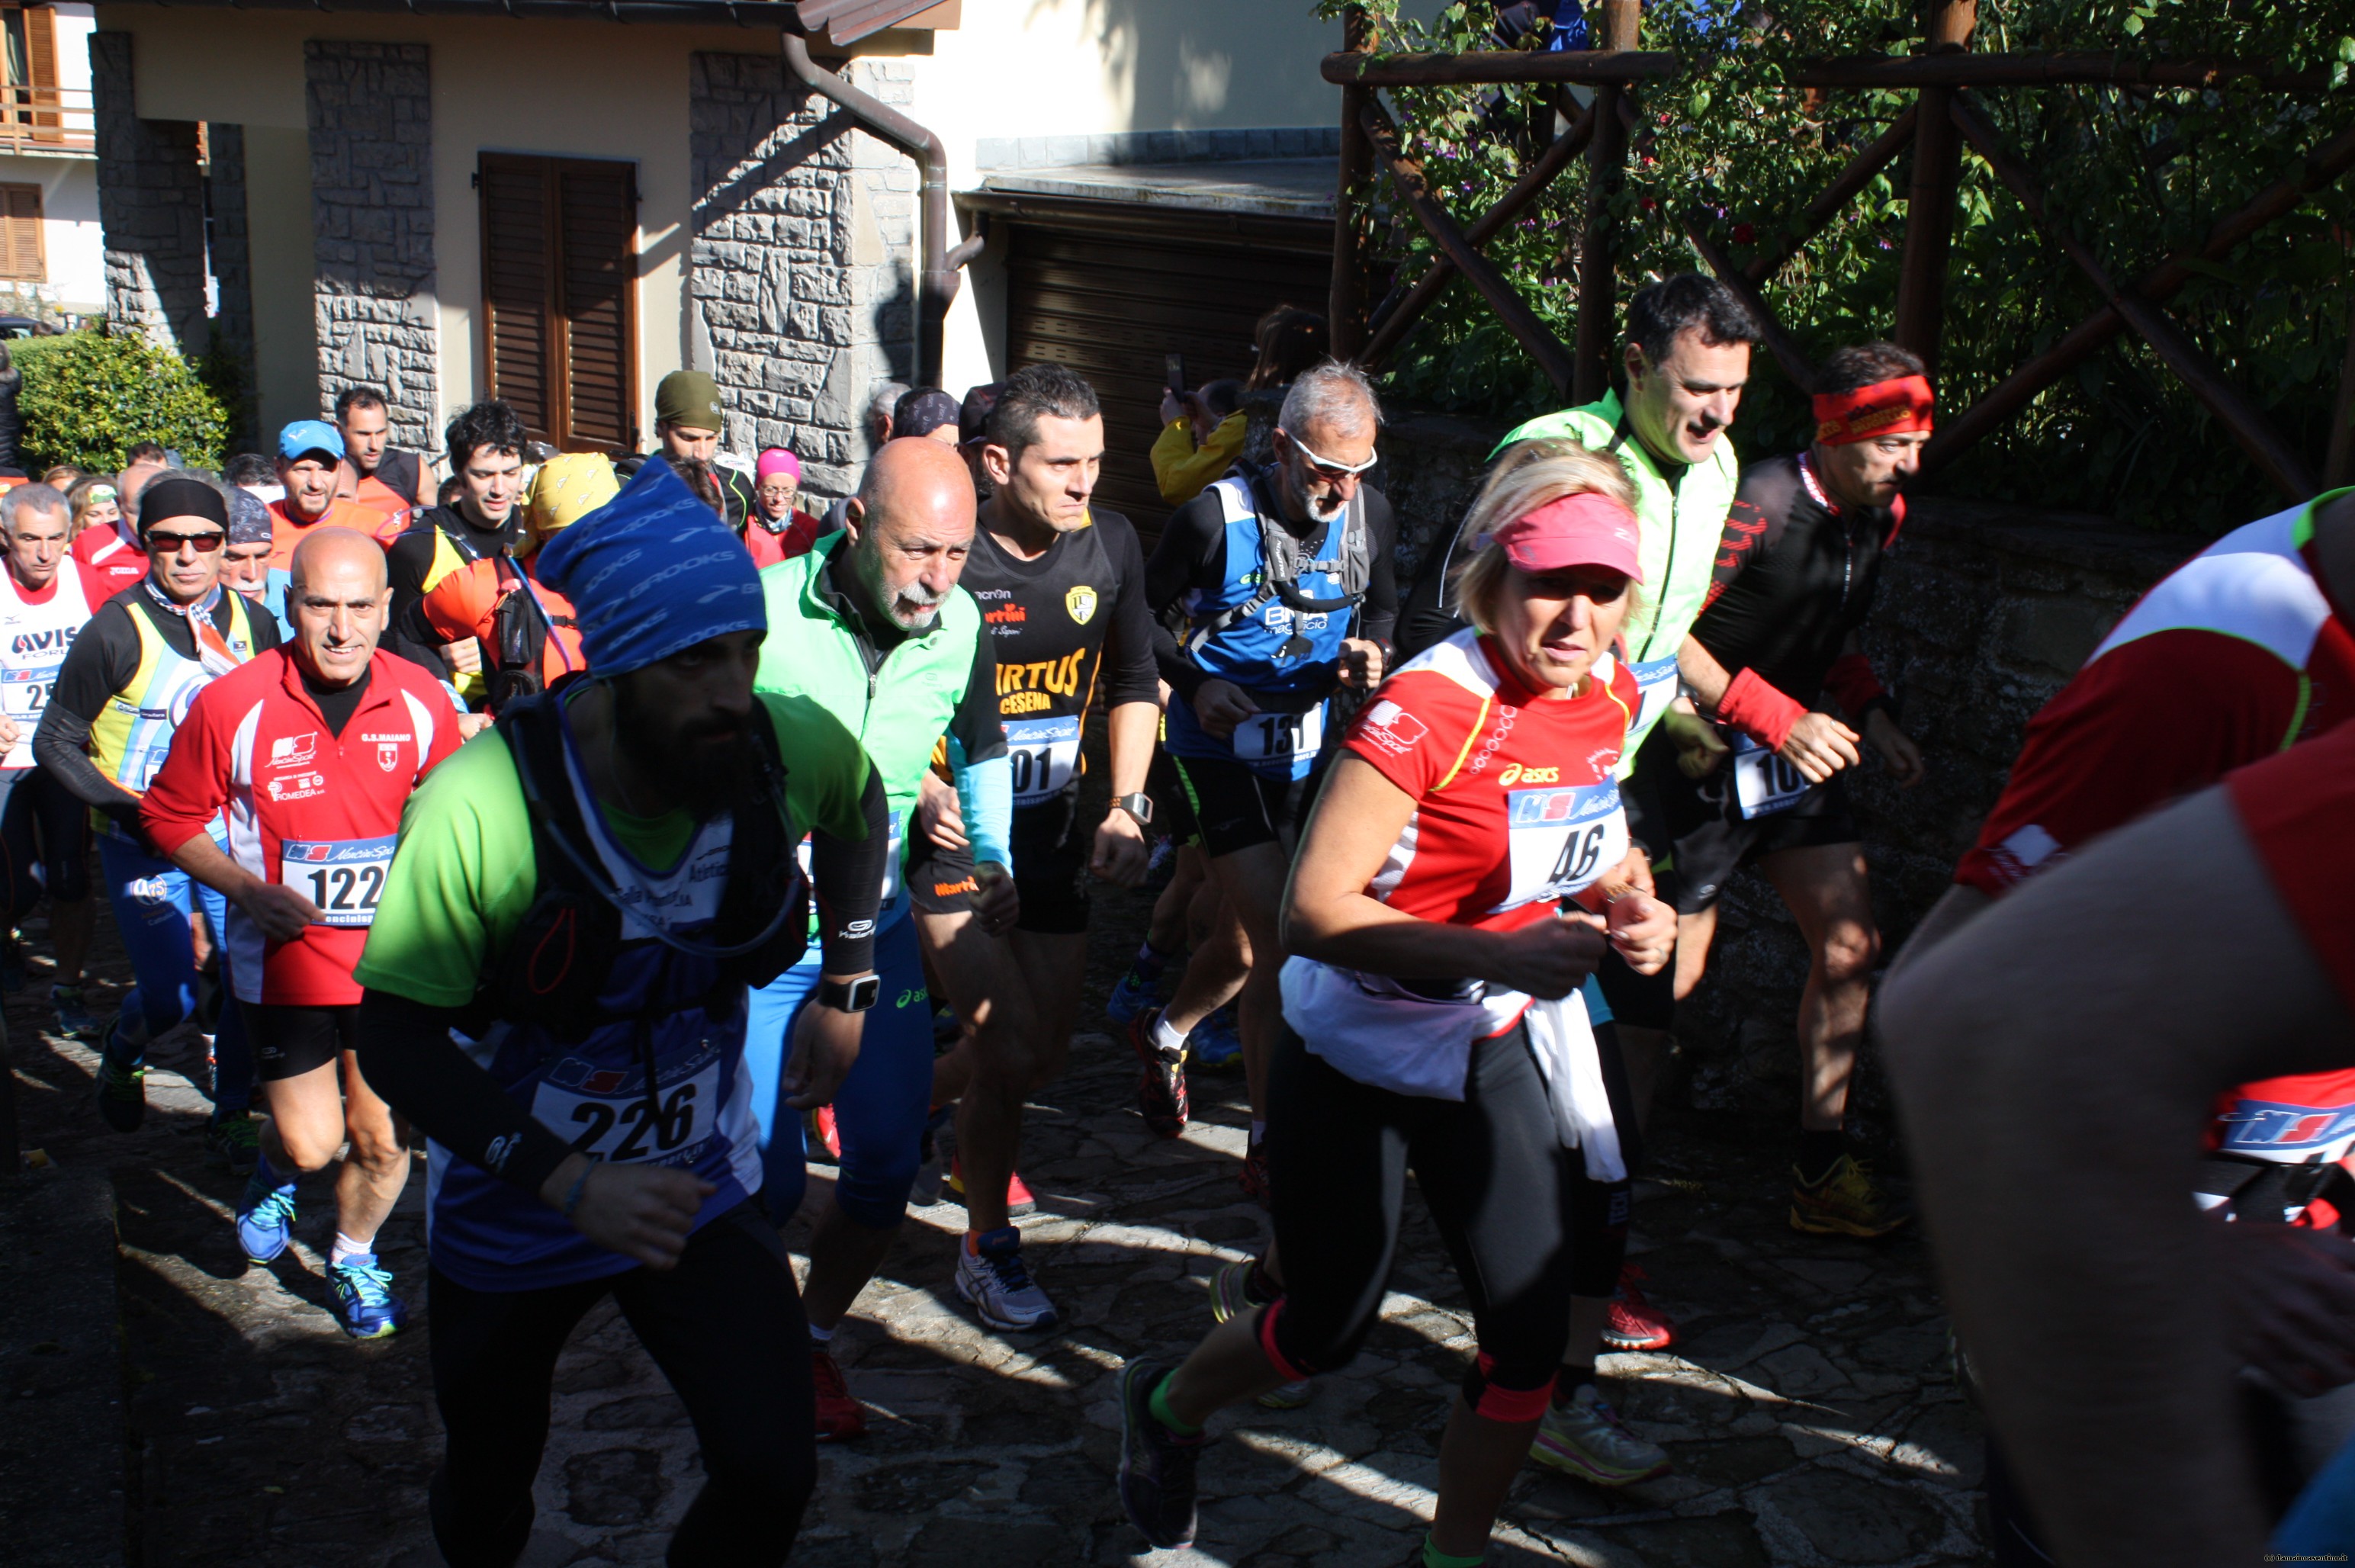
(1776, 646)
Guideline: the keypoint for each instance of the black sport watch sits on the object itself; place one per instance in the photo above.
(1140, 807)
(851, 996)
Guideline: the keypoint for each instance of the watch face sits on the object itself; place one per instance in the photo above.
(865, 993)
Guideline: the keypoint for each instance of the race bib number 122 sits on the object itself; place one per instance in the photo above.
(344, 876)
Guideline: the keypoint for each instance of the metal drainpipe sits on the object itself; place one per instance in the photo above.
(937, 282)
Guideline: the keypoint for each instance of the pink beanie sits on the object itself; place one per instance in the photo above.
(777, 460)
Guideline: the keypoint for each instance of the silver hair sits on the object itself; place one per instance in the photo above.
(1334, 394)
(886, 397)
(31, 498)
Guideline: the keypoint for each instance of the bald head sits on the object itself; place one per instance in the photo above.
(912, 525)
(338, 602)
(127, 486)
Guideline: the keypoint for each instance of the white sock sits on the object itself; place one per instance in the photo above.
(345, 1248)
(1259, 1132)
(1163, 1037)
(821, 1337)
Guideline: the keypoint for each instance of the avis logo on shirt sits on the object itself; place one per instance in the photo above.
(1394, 729)
(294, 751)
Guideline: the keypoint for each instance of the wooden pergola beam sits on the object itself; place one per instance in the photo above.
(1852, 180)
(1779, 341)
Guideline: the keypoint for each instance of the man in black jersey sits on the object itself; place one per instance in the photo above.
(1062, 590)
(486, 445)
(386, 476)
(1793, 584)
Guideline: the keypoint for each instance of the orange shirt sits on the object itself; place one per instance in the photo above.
(465, 604)
(285, 532)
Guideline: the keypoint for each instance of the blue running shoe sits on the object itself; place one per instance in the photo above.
(1131, 996)
(265, 1219)
(363, 1297)
(1215, 1043)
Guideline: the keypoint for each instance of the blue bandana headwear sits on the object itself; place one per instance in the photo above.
(650, 573)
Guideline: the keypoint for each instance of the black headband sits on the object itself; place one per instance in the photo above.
(181, 498)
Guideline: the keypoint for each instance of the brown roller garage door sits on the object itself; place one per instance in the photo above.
(1112, 296)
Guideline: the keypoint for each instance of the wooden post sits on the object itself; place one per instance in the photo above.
(1930, 202)
(1597, 261)
(1346, 306)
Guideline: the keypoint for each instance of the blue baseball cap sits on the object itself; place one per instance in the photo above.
(305, 436)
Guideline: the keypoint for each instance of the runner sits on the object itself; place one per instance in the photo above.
(309, 452)
(529, 638)
(44, 830)
(1274, 620)
(245, 560)
(1203, 434)
(2066, 1042)
(390, 480)
(309, 751)
(598, 1137)
(1792, 589)
(778, 529)
(1060, 584)
(688, 421)
(486, 445)
(91, 500)
(871, 624)
(120, 694)
(113, 555)
(928, 411)
(1431, 1018)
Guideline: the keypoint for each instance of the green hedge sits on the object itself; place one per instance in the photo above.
(90, 396)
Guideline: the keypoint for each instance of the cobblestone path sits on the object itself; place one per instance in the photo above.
(1809, 1403)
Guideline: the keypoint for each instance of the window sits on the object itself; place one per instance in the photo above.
(20, 234)
(30, 37)
(559, 316)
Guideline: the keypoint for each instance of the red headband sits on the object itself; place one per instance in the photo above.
(1885, 408)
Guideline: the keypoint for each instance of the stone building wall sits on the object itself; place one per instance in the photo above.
(150, 207)
(1982, 613)
(232, 264)
(371, 124)
(802, 266)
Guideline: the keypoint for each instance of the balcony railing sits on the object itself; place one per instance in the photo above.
(47, 122)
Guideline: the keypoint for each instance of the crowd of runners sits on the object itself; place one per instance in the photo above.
(631, 836)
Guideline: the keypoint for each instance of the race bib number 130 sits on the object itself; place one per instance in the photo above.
(1280, 737)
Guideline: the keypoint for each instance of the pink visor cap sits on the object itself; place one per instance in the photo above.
(1584, 530)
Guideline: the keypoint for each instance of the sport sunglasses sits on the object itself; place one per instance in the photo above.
(1324, 468)
(160, 543)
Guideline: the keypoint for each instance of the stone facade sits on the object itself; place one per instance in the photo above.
(371, 123)
(151, 205)
(232, 262)
(802, 271)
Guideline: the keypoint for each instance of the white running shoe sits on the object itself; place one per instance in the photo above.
(997, 1285)
(1587, 1438)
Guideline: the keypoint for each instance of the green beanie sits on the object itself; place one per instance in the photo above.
(689, 398)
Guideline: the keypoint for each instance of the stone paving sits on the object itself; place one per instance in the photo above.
(1809, 1403)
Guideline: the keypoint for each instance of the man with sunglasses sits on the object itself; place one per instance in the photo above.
(1282, 578)
(120, 695)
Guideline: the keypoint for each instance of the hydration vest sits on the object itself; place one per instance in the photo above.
(132, 733)
(520, 628)
(1240, 631)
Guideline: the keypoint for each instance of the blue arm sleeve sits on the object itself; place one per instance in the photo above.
(985, 797)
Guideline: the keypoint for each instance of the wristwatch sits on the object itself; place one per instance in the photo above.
(1140, 807)
(851, 996)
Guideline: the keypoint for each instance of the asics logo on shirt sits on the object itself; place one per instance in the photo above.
(1514, 773)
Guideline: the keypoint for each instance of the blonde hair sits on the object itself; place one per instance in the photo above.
(1531, 474)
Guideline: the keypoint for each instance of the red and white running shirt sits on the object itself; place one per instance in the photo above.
(1515, 805)
(316, 811)
(2299, 810)
(38, 628)
(114, 561)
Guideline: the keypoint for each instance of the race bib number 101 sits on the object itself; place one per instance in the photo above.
(1045, 753)
(1763, 783)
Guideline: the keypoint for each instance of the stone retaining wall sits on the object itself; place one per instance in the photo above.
(150, 207)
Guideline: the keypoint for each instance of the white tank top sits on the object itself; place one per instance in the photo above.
(33, 643)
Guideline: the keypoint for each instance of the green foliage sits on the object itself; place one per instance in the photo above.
(90, 396)
(2138, 175)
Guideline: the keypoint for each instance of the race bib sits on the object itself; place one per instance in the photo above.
(1280, 737)
(1655, 687)
(604, 1118)
(342, 876)
(24, 691)
(1045, 753)
(1763, 783)
(1563, 840)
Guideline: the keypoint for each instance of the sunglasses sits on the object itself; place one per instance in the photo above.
(1324, 468)
(161, 543)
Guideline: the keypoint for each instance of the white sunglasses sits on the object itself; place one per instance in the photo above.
(1325, 467)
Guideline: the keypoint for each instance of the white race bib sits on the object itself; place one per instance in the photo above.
(343, 875)
(1563, 840)
(1655, 687)
(1045, 754)
(614, 1125)
(1763, 783)
(24, 691)
(1280, 737)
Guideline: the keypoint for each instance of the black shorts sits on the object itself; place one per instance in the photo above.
(1172, 811)
(41, 826)
(1237, 809)
(1709, 838)
(1050, 869)
(290, 1040)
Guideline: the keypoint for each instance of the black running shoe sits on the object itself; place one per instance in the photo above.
(1156, 1465)
(1161, 1092)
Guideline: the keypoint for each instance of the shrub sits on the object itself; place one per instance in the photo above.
(90, 396)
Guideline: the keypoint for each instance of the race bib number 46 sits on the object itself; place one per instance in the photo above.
(1045, 753)
(1280, 737)
(1763, 783)
(1563, 840)
(343, 875)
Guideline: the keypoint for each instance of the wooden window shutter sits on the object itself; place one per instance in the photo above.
(41, 70)
(560, 272)
(518, 303)
(20, 216)
(599, 266)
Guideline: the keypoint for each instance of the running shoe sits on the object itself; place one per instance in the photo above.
(122, 1091)
(991, 1278)
(265, 1219)
(1156, 1465)
(363, 1297)
(1131, 996)
(930, 1174)
(1635, 1324)
(1216, 1043)
(840, 1418)
(233, 1142)
(1844, 1202)
(1161, 1092)
(1252, 1176)
(1586, 1438)
(1019, 1199)
(74, 1018)
(1231, 1296)
(820, 1136)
